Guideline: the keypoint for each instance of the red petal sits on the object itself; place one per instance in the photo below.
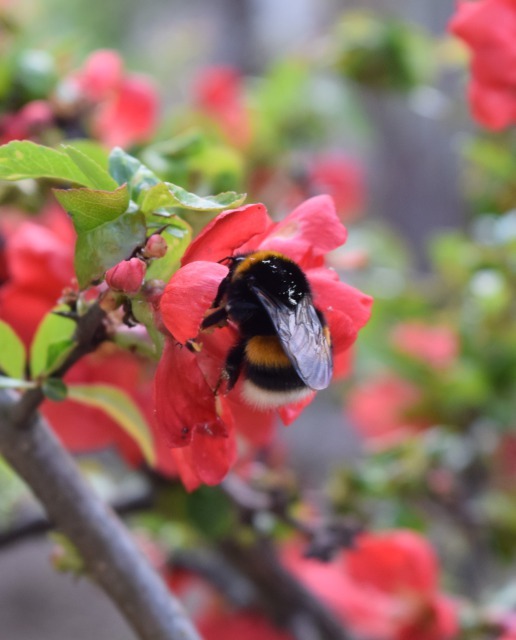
(212, 455)
(257, 427)
(215, 348)
(312, 228)
(101, 74)
(182, 458)
(346, 309)
(183, 399)
(342, 364)
(130, 116)
(188, 295)
(493, 105)
(394, 561)
(291, 412)
(227, 233)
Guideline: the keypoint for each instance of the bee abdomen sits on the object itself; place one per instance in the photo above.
(270, 379)
(266, 352)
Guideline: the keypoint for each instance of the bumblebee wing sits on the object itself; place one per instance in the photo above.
(302, 337)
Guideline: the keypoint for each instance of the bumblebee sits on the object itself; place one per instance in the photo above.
(284, 351)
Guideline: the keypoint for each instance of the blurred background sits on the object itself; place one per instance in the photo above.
(364, 100)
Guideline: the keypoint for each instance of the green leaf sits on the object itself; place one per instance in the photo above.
(222, 201)
(54, 389)
(143, 311)
(120, 407)
(211, 512)
(156, 199)
(12, 352)
(178, 238)
(13, 383)
(24, 159)
(58, 352)
(91, 208)
(66, 558)
(98, 175)
(94, 150)
(98, 250)
(52, 331)
(127, 169)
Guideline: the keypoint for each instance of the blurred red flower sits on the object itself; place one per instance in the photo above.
(436, 345)
(200, 427)
(238, 626)
(124, 107)
(27, 122)
(489, 29)
(342, 178)
(39, 258)
(386, 587)
(218, 93)
(380, 410)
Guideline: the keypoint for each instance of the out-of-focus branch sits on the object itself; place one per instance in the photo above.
(281, 595)
(39, 524)
(325, 539)
(110, 555)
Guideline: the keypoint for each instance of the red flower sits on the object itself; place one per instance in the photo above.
(124, 107)
(40, 264)
(343, 179)
(39, 258)
(489, 28)
(27, 122)
(214, 619)
(436, 345)
(380, 409)
(238, 626)
(186, 408)
(218, 93)
(385, 588)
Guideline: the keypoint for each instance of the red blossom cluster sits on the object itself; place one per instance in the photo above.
(123, 107)
(113, 106)
(342, 178)
(488, 27)
(39, 260)
(218, 93)
(385, 587)
(380, 409)
(200, 427)
(27, 122)
(384, 408)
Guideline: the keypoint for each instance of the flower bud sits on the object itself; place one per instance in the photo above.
(156, 247)
(126, 276)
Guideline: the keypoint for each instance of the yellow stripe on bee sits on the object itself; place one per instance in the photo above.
(266, 351)
(327, 334)
(257, 256)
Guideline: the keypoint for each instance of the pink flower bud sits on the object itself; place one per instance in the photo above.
(156, 247)
(126, 276)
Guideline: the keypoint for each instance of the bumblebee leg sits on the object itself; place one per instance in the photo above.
(216, 317)
(233, 366)
(221, 291)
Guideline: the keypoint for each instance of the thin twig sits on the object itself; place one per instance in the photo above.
(89, 334)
